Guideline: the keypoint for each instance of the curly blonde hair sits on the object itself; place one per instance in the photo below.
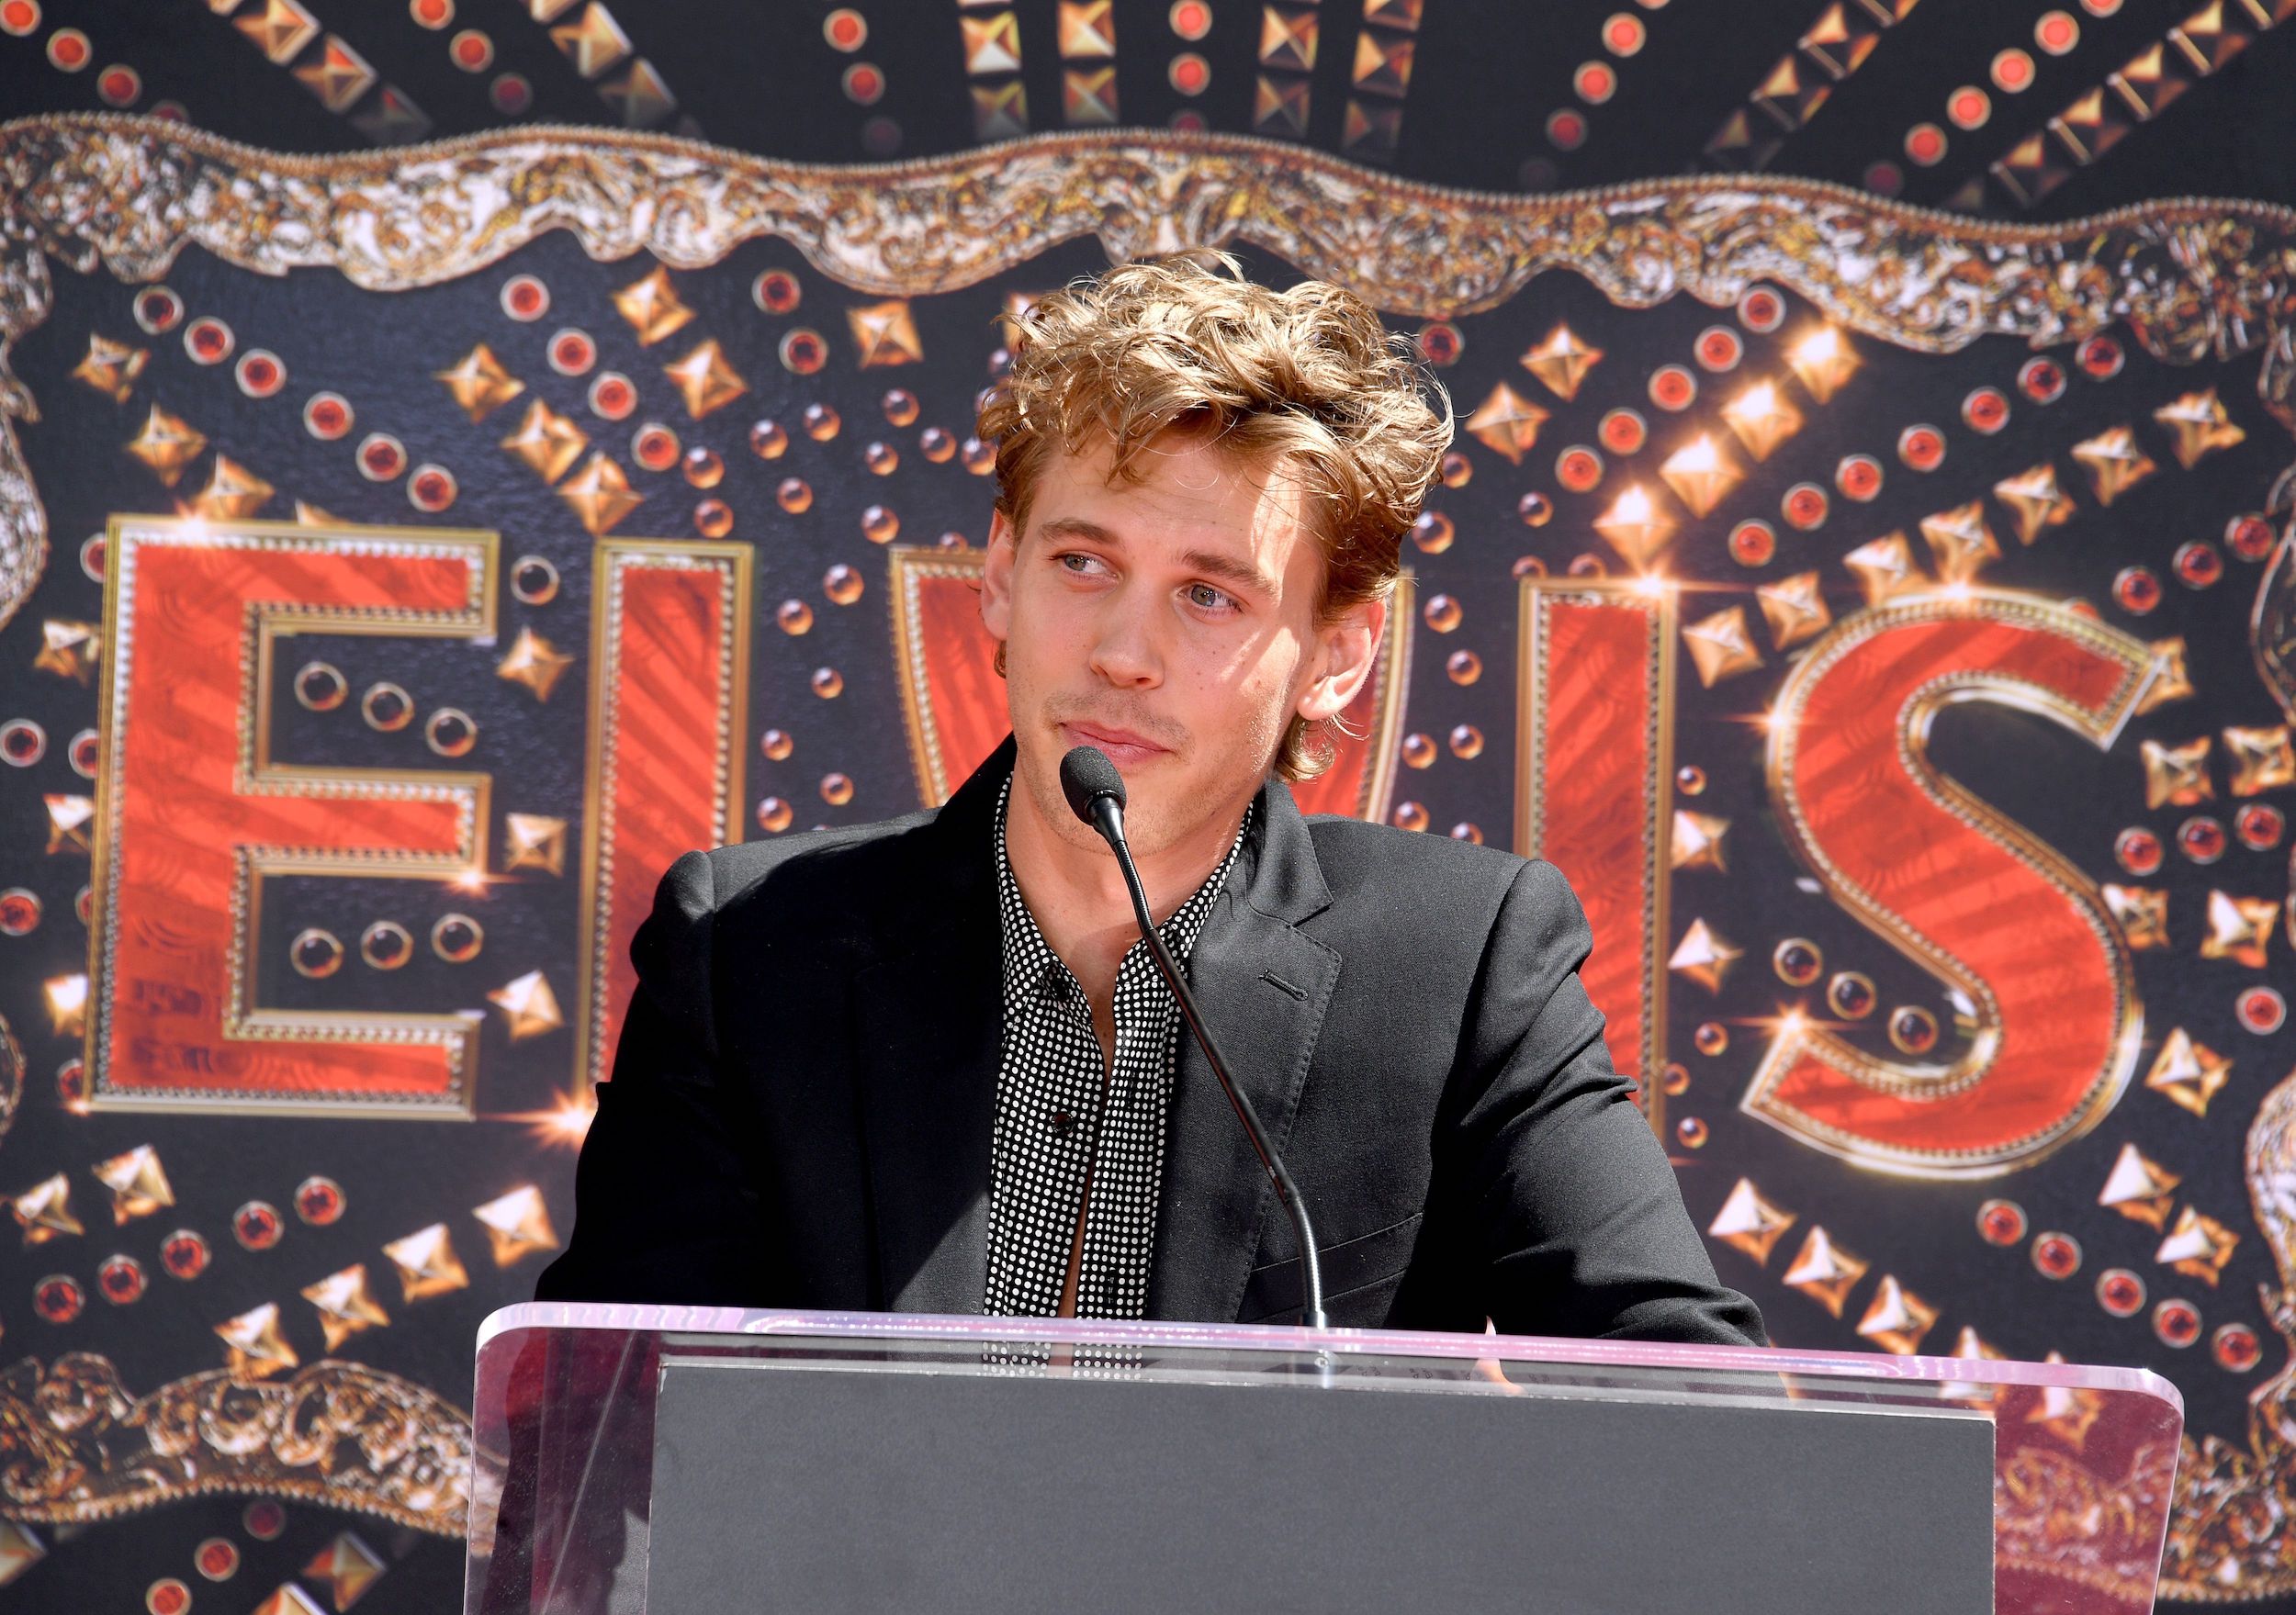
(1307, 378)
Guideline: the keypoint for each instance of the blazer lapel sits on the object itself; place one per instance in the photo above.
(1264, 987)
(928, 1033)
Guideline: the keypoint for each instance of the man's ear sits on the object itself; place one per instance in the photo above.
(1004, 548)
(1349, 648)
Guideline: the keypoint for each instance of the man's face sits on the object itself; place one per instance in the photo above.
(1172, 624)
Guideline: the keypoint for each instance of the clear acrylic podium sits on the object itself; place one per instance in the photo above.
(657, 1461)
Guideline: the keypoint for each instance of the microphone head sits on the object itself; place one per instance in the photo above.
(1087, 775)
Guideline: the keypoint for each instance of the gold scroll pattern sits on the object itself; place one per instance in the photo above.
(2190, 277)
(75, 1447)
(2232, 1531)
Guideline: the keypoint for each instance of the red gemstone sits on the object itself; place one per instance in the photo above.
(121, 1280)
(158, 309)
(1719, 348)
(1752, 544)
(524, 298)
(2136, 590)
(656, 448)
(1761, 309)
(1925, 143)
(473, 52)
(511, 94)
(433, 488)
(1191, 20)
(23, 742)
(1885, 179)
(381, 457)
(68, 48)
(327, 417)
(2138, 850)
(257, 1226)
(1439, 343)
(1673, 387)
(2259, 825)
(209, 341)
(2177, 1323)
(167, 1596)
(2041, 380)
(318, 1200)
(58, 1299)
(1536, 509)
(263, 1520)
(184, 1254)
(83, 904)
(2202, 839)
(777, 291)
(2250, 537)
(2058, 1256)
(434, 13)
(118, 86)
(260, 375)
(2236, 1348)
(612, 396)
(20, 910)
(1986, 410)
(217, 1558)
(71, 1083)
(1804, 505)
(2100, 358)
(2057, 33)
(572, 353)
(92, 554)
(2013, 69)
(1859, 476)
(1968, 107)
(1594, 81)
(864, 83)
(1579, 469)
(846, 30)
(804, 352)
(19, 17)
(1622, 432)
(1566, 130)
(2198, 564)
(2120, 1291)
(2261, 1010)
(2001, 1222)
(1921, 447)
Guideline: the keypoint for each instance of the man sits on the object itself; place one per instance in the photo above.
(927, 1065)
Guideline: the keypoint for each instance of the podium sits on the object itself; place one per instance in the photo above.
(699, 1461)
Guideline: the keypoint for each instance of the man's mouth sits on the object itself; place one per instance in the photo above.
(1122, 745)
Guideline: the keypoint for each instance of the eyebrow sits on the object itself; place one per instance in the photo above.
(1213, 564)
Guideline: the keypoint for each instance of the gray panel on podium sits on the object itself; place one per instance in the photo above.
(966, 1490)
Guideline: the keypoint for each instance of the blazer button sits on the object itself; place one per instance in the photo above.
(1062, 1123)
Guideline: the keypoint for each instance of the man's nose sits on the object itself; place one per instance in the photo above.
(1126, 649)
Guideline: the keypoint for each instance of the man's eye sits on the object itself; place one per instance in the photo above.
(1079, 564)
(1207, 598)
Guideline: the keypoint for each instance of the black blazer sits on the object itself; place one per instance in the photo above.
(800, 1108)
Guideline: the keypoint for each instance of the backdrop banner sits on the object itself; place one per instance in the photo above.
(1887, 621)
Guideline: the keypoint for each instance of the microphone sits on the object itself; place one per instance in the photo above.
(1095, 794)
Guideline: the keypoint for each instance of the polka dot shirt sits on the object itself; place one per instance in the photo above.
(1051, 1133)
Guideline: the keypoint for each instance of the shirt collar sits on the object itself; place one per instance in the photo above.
(1029, 957)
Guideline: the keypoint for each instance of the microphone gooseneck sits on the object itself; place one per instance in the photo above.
(1095, 794)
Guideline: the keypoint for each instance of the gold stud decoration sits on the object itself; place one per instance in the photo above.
(1749, 1223)
(528, 1006)
(547, 441)
(345, 1305)
(2035, 500)
(1561, 361)
(1961, 541)
(1721, 647)
(1796, 608)
(111, 367)
(1704, 956)
(2169, 681)
(1896, 1319)
(2200, 425)
(1696, 842)
(232, 494)
(704, 380)
(1885, 569)
(2139, 1188)
(347, 1567)
(2114, 462)
(534, 841)
(600, 495)
(518, 1223)
(652, 307)
(427, 1263)
(256, 1348)
(2176, 776)
(533, 662)
(2240, 928)
(2198, 1246)
(167, 444)
(44, 1211)
(70, 649)
(479, 384)
(2142, 915)
(1825, 361)
(1700, 475)
(2262, 759)
(138, 1182)
(1824, 1271)
(1506, 422)
(1634, 526)
(1762, 418)
(2188, 1074)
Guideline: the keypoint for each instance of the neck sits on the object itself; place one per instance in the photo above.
(1077, 892)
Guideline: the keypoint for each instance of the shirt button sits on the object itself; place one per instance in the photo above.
(1062, 1123)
